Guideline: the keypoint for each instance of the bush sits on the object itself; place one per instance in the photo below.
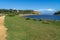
(40, 20)
(27, 18)
(35, 19)
(11, 15)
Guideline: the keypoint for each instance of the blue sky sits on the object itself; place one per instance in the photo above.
(30, 4)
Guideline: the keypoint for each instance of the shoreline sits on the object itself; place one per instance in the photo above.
(27, 14)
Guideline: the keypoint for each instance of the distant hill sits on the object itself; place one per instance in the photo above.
(57, 13)
(14, 11)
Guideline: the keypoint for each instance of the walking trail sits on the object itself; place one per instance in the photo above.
(2, 29)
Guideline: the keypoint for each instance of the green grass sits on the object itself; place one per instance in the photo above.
(21, 29)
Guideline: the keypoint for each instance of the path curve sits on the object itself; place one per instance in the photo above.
(2, 28)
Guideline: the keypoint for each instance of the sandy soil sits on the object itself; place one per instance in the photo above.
(2, 29)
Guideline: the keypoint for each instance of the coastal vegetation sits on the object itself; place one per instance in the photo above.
(21, 29)
(12, 12)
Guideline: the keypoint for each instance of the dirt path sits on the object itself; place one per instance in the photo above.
(2, 28)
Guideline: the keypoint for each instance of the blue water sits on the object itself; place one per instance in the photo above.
(46, 17)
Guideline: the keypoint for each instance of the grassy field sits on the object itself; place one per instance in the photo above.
(21, 29)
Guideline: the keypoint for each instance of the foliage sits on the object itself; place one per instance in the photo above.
(27, 18)
(16, 12)
(40, 20)
(34, 19)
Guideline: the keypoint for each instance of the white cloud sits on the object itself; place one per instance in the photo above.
(46, 9)
(51, 9)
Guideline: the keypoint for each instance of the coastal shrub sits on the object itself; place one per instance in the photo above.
(35, 19)
(10, 15)
(40, 20)
(27, 18)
